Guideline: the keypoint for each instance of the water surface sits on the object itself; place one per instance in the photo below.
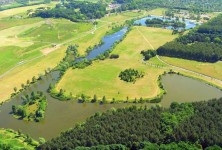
(189, 24)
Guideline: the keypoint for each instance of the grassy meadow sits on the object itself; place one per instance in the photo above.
(15, 140)
(101, 78)
(22, 10)
(209, 69)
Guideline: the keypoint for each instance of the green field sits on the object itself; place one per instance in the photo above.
(209, 69)
(25, 42)
(15, 141)
(102, 79)
(22, 10)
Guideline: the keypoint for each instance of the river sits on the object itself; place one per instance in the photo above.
(60, 116)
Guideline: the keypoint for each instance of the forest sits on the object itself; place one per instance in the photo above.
(197, 123)
(74, 11)
(191, 5)
(201, 44)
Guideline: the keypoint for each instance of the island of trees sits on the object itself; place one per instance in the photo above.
(202, 44)
(130, 75)
(33, 107)
(156, 22)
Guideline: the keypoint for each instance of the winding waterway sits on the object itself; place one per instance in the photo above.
(61, 116)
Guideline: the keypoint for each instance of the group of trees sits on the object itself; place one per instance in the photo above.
(156, 22)
(196, 123)
(74, 11)
(148, 54)
(191, 5)
(202, 44)
(36, 99)
(130, 75)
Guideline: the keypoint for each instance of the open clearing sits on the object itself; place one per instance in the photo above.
(102, 79)
(15, 11)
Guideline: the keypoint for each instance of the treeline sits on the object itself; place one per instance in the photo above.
(149, 146)
(202, 44)
(156, 22)
(191, 5)
(74, 11)
(195, 123)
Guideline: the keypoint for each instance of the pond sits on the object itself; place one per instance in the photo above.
(189, 24)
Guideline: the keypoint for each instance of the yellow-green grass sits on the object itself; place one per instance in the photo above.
(101, 78)
(11, 22)
(25, 72)
(15, 141)
(10, 36)
(55, 31)
(157, 12)
(24, 42)
(15, 11)
(209, 69)
(123, 16)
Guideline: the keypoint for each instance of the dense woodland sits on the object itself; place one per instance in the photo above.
(191, 5)
(196, 123)
(74, 11)
(201, 44)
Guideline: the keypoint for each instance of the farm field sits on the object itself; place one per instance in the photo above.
(102, 79)
(22, 10)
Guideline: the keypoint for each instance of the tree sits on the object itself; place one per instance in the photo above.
(15, 89)
(104, 99)
(14, 110)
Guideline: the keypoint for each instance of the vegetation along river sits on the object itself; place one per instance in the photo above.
(61, 116)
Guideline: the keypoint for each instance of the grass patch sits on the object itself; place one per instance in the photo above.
(27, 71)
(209, 69)
(15, 11)
(15, 140)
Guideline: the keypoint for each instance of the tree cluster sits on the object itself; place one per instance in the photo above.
(202, 44)
(191, 5)
(74, 11)
(156, 22)
(196, 123)
(37, 99)
(130, 75)
(148, 54)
